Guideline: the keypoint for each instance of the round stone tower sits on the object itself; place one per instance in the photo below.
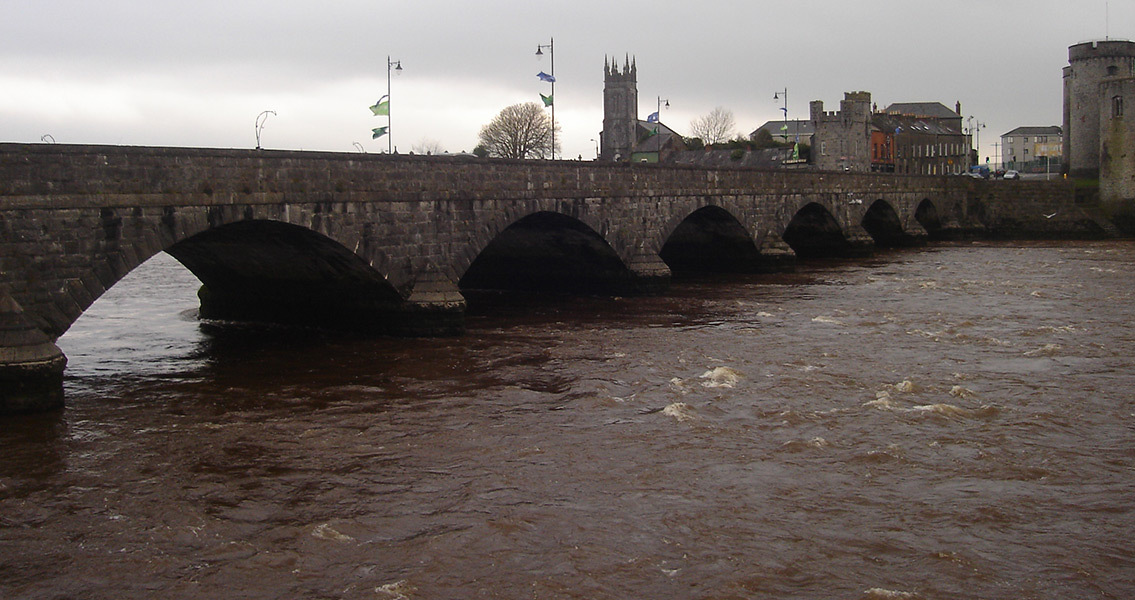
(1089, 64)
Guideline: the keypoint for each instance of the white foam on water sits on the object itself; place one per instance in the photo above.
(827, 319)
(679, 411)
(680, 385)
(1046, 350)
(326, 532)
(801, 445)
(905, 386)
(946, 410)
(399, 590)
(882, 594)
(962, 392)
(720, 377)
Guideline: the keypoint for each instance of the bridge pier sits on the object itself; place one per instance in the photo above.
(776, 255)
(860, 243)
(31, 365)
(435, 307)
(650, 275)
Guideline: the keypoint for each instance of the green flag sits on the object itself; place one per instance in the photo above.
(382, 107)
(378, 132)
(547, 100)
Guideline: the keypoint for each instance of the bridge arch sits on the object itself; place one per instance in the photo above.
(264, 270)
(549, 251)
(926, 213)
(883, 223)
(814, 232)
(710, 239)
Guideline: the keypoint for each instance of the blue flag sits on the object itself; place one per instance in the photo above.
(545, 77)
(653, 118)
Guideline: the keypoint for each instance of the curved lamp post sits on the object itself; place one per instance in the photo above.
(260, 120)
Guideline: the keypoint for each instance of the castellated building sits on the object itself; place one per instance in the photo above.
(1086, 108)
(840, 141)
(1099, 126)
(909, 138)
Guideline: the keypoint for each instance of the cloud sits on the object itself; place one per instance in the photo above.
(167, 73)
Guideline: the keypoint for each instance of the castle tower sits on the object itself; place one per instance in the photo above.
(620, 109)
(1090, 64)
(842, 140)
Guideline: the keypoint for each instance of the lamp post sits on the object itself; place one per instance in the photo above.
(260, 120)
(396, 65)
(658, 110)
(776, 96)
(552, 58)
(596, 148)
(975, 130)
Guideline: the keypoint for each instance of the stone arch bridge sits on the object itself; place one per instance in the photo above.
(389, 244)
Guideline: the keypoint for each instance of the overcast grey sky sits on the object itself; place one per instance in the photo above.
(176, 73)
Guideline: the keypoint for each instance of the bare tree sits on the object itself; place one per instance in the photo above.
(714, 128)
(428, 146)
(519, 131)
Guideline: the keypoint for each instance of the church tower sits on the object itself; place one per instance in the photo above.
(620, 109)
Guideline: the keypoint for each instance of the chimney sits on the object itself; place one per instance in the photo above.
(958, 108)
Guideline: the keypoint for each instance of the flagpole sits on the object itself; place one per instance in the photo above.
(551, 46)
(397, 64)
(774, 97)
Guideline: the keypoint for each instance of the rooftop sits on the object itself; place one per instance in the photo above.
(932, 110)
(1044, 130)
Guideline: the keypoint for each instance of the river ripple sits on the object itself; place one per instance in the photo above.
(952, 422)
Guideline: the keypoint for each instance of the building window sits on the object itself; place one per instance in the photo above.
(1112, 71)
(1117, 107)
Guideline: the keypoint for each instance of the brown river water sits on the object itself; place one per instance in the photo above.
(949, 422)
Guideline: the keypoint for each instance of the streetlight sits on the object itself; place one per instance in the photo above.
(776, 96)
(658, 109)
(397, 65)
(975, 130)
(260, 120)
(551, 78)
(596, 148)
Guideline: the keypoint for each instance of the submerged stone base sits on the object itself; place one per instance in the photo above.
(31, 365)
(32, 387)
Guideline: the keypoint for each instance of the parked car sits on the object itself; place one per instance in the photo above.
(1010, 174)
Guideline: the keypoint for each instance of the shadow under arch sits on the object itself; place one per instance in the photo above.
(270, 271)
(814, 233)
(711, 240)
(927, 215)
(549, 252)
(884, 226)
